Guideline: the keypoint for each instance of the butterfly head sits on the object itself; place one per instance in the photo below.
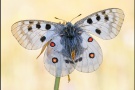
(69, 30)
(69, 24)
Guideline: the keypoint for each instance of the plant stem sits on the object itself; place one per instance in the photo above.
(57, 82)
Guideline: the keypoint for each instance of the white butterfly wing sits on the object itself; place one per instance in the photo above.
(91, 58)
(105, 24)
(33, 34)
(55, 63)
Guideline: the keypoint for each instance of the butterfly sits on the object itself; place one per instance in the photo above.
(70, 46)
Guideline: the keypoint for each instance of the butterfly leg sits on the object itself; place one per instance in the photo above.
(69, 79)
(43, 49)
(73, 57)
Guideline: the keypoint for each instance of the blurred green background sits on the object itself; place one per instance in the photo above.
(21, 70)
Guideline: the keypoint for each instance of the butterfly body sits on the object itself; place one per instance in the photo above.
(70, 46)
(71, 39)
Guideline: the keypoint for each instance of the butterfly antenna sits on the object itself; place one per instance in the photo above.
(75, 17)
(60, 19)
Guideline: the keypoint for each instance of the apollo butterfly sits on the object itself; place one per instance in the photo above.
(69, 46)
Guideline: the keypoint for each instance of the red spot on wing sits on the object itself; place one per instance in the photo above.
(54, 60)
(52, 44)
(91, 55)
(90, 39)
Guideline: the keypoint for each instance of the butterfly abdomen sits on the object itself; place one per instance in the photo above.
(71, 45)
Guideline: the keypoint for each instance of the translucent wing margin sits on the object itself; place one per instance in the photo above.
(105, 24)
(33, 34)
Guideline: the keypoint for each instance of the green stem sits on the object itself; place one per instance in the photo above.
(57, 82)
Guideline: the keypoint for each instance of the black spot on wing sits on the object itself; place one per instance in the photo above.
(98, 17)
(29, 28)
(38, 25)
(106, 18)
(78, 60)
(48, 26)
(31, 22)
(69, 61)
(42, 39)
(103, 12)
(89, 21)
(98, 31)
(66, 61)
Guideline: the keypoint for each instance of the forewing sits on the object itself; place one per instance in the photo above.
(91, 58)
(33, 34)
(105, 24)
(55, 63)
